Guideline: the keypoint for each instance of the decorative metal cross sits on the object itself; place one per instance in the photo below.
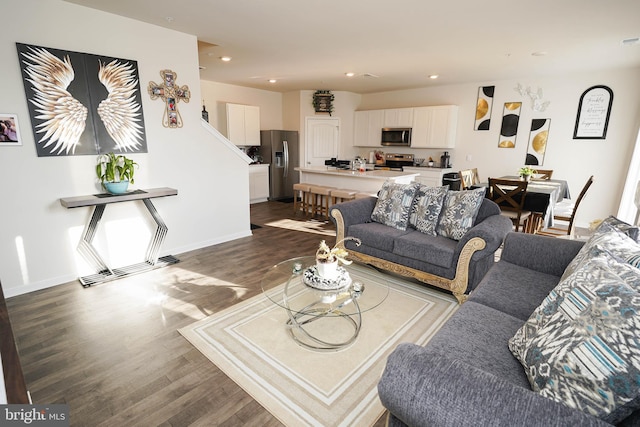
(171, 94)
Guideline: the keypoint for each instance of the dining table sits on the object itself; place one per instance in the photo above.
(542, 197)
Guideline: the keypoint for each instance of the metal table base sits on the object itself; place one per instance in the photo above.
(104, 273)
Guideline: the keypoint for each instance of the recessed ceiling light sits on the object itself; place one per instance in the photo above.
(434, 76)
(349, 74)
(539, 53)
(225, 58)
(272, 80)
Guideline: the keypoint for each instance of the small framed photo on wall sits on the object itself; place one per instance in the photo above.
(9, 131)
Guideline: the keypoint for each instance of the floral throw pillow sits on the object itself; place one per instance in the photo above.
(393, 204)
(459, 211)
(427, 207)
(580, 346)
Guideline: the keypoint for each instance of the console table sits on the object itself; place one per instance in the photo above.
(99, 203)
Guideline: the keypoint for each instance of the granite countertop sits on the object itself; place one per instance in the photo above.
(373, 174)
(428, 167)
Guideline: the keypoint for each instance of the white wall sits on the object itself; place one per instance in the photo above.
(217, 95)
(344, 105)
(573, 160)
(38, 236)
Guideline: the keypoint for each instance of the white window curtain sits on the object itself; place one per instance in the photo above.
(631, 193)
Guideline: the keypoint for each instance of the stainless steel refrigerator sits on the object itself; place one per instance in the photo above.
(281, 150)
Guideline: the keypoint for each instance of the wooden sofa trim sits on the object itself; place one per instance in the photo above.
(457, 285)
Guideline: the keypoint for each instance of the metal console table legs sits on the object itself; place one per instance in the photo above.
(104, 273)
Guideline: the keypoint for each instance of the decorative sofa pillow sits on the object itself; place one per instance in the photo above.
(580, 347)
(459, 211)
(426, 208)
(612, 235)
(393, 204)
(613, 223)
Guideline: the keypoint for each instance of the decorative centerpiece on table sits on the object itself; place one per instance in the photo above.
(526, 173)
(327, 274)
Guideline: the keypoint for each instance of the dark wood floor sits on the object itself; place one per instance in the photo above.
(113, 354)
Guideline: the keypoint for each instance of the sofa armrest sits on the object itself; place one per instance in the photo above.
(492, 230)
(549, 255)
(356, 211)
(422, 387)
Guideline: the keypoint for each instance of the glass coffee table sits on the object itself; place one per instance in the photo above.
(326, 320)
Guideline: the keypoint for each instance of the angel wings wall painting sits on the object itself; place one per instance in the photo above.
(82, 104)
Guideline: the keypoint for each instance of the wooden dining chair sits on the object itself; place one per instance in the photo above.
(510, 195)
(558, 230)
(468, 178)
(543, 174)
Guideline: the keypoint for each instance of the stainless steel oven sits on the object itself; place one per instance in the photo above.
(395, 162)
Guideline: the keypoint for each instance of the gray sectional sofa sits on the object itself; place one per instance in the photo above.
(467, 375)
(454, 265)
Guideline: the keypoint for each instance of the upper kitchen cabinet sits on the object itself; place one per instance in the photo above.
(434, 127)
(243, 124)
(368, 128)
(398, 118)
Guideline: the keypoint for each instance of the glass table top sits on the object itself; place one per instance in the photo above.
(367, 287)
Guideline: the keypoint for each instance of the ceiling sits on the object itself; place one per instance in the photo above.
(392, 45)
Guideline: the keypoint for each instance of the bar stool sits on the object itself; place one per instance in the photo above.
(301, 191)
(363, 195)
(342, 195)
(320, 199)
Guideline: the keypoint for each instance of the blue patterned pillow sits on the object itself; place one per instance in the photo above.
(459, 211)
(393, 204)
(613, 223)
(581, 346)
(608, 238)
(426, 208)
(634, 260)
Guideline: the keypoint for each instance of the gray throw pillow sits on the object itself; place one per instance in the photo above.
(611, 235)
(459, 212)
(393, 204)
(613, 223)
(426, 208)
(580, 346)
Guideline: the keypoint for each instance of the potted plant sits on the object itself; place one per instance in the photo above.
(327, 259)
(115, 172)
(526, 172)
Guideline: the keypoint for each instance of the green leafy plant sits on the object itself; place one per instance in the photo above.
(112, 168)
(526, 171)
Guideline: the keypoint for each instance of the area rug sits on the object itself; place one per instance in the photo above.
(308, 226)
(250, 343)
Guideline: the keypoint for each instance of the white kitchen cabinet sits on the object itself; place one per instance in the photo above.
(258, 183)
(431, 177)
(434, 127)
(368, 128)
(398, 118)
(243, 124)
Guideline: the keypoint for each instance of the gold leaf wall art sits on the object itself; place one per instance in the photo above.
(483, 107)
(538, 139)
(509, 128)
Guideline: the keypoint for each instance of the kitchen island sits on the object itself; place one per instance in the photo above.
(365, 182)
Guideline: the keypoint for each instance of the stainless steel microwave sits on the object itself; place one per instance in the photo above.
(396, 136)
